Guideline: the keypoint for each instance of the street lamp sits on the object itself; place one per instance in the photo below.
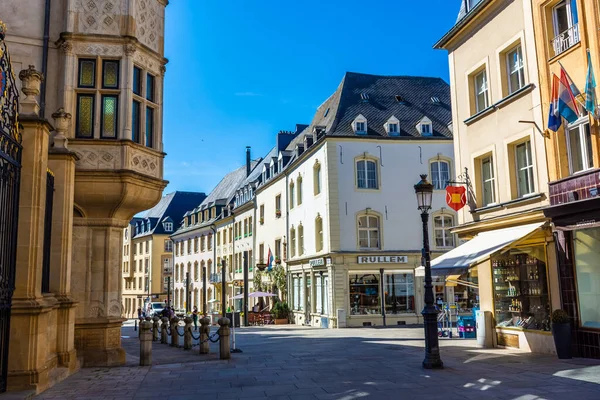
(424, 191)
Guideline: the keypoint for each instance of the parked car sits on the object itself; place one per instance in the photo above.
(156, 307)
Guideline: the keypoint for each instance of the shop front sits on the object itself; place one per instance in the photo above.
(577, 237)
(310, 292)
(514, 282)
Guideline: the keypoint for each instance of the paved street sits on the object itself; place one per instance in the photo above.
(291, 362)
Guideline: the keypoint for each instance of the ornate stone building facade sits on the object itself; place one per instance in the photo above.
(101, 64)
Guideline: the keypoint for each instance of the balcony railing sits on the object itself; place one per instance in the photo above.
(215, 278)
(565, 40)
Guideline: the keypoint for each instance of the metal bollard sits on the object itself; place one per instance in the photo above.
(135, 326)
(224, 349)
(145, 343)
(174, 334)
(155, 329)
(187, 334)
(164, 336)
(204, 332)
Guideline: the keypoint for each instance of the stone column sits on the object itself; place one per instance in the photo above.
(145, 343)
(62, 163)
(174, 333)
(187, 334)
(127, 79)
(31, 315)
(204, 333)
(97, 246)
(164, 336)
(224, 332)
(155, 328)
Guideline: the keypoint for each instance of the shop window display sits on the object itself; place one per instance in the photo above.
(521, 289)
(399, 293)
(364, 294)
(587, 253)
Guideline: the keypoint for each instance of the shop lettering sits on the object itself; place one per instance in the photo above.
(382, 259)
(317, 262)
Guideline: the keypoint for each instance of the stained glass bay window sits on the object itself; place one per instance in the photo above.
(87, 73)
(149, 126)
(135, 121)
(85, 116)
(110, 105)
(137, 83)
(110, 74)
(150, 87)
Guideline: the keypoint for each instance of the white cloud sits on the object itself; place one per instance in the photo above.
(248, 94)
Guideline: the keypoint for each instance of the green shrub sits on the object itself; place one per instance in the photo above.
(281, 310)
(560, 317)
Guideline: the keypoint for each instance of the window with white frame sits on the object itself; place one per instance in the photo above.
(300, 240)
(292, 242)
(168, 227)
(317, 178)
(480, 85)
(579, 145)
(524, 164)
(369, 231)
(441, 230)
(292, 194)
(392, 126)
(565, 22)
(359, 125)
(318, 233)
(515, 69)
(366, 174)
(488, 181)
(299, 190)
(168, 245)
(440, 174)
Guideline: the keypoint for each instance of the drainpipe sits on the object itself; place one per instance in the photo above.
(45, 57)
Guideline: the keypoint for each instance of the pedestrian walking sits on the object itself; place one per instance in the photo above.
(195, 318)
(140, 313)
(171, 313)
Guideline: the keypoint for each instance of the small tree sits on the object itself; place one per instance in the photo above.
(279, 281)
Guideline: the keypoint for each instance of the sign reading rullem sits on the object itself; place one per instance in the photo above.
(382, 259)
(456, 197)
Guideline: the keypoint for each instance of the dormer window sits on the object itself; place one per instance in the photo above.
(168, 226)
(359, 125)
(425, 127)
(280, 164)
(392, 126)
(148, 226)
(272, 169)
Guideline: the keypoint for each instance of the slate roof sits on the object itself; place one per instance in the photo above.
(416, 92)
(465, 9)
(173, 205)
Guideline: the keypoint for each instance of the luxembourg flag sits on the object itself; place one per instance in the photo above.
(554, 120)
(270, 258)
(567, 105)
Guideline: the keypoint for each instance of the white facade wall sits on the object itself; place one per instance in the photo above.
(312, 205)
(399, 165)
(273, 228)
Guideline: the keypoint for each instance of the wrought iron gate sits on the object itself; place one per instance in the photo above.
(10, 173)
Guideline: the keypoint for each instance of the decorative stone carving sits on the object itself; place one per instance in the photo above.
(100, 16)
(97, 158)
(129, 49)
(163, 70)
(144, 163)
(31, 81)
(146, 62)
(62, 120)
(93, 49)
(148, 15)
(66, 47)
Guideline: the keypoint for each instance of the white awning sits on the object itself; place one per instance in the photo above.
(479, 248)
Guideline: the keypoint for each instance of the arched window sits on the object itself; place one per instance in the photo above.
(317, 178)
(292, 242)
(442, 224)
(196, 271)
(369, 231)
(440, 174)
(176, 272)
(367, 174)
(318, 233)
(299, 183)
(292, 194)
(300, 240)
(209, 266)
(202, 266)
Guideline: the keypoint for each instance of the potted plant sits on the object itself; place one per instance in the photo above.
(278, 213)
(561, 331)
(281, 313)
(262, 221)
(277, 260)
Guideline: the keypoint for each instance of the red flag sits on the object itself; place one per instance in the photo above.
(456, 197)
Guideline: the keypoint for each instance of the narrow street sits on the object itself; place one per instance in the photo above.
(292, 362)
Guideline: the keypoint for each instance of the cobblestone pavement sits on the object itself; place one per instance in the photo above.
(293, 363)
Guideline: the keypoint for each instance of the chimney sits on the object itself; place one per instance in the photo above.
(247, 160)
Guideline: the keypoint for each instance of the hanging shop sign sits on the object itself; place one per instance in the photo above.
(456, 197)
(317, 262)
(382, 259)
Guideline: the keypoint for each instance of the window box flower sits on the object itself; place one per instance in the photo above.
(278, 213)
(277, 260)
(262, 221)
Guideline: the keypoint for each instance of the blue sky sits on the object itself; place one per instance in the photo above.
(239, 71)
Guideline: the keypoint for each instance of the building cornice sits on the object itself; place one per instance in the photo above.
(462, 25)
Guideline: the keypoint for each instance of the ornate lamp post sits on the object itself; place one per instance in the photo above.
(424, 191)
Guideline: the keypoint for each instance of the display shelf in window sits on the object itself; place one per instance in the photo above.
(521, 289)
